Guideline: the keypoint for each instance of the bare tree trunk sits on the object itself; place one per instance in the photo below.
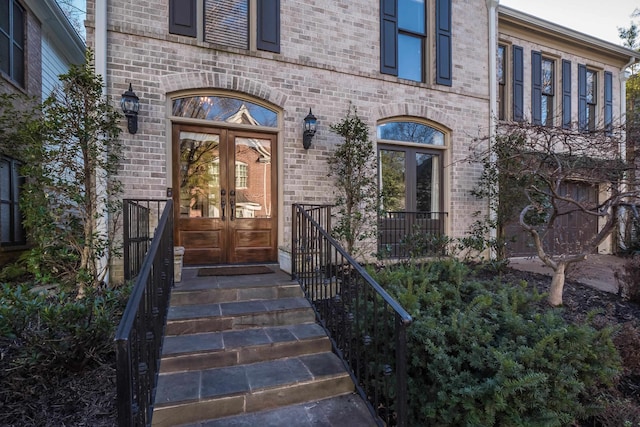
(557, 285)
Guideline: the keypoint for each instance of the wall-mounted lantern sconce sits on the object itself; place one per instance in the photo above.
(130, 105)
(310, 126)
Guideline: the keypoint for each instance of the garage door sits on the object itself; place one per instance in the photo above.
(571, 231)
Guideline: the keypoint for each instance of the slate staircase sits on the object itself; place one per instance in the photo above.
(246, 351)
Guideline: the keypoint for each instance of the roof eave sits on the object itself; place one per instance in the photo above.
(566, 34)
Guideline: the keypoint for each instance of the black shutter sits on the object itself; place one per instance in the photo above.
(582, 97)
(566, 94)
(443, 43)
(518, 84)
(536, 88)
(268, 25)
(182, 18)
(608, 101)
(389, 37)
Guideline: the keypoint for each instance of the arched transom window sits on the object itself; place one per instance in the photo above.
(224, 109)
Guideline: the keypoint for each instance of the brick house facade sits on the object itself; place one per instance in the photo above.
(436, 71)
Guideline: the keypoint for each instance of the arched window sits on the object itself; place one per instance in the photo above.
(224, 109)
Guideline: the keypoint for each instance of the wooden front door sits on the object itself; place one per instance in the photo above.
(225, 195)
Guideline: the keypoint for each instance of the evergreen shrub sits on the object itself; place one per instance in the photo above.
(482, 353)
(43, 334)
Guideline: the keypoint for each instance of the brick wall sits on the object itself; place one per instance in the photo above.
(329, 59)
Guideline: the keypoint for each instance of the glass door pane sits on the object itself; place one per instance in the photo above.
(252, 178)
(427, 182)
(199, 175)
(393, 180)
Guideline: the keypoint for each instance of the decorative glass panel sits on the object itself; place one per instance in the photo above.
(410, 57)
(227, 22)
(253, 199)
(410, 132)
(224, 109)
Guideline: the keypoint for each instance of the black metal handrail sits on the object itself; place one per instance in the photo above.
(366, 326)
(139, 335)
(140, 218)
(405, 234)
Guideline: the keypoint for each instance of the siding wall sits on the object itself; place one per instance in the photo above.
(52, 66)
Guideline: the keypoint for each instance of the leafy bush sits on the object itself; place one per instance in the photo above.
(47, 334)
(486, 354)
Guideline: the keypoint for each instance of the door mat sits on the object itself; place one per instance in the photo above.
(239, 270)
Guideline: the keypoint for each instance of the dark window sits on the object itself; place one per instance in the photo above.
(11, 228)
(566, 94)
(502, 81)
(518, 84)
(12, 34)
(403, 34)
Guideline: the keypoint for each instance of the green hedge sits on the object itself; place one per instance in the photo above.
(482, 353)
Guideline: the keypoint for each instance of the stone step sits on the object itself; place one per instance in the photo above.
(348, 409)
(192, 319)
(192, 396)
(228, 348)
(216, 292)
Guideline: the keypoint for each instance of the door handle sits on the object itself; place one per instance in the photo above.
(232, 203)
(223, 202)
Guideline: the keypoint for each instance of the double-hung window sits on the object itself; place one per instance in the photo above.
(12, 38)
(542, 89)
(587, 98)
(502, 81)
(404, 41)
(548, 77)
(243, 24)
(11, 228)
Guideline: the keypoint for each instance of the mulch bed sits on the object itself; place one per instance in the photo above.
(88, 398)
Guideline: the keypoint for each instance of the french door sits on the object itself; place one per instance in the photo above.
(411, 194)
(225, 195)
